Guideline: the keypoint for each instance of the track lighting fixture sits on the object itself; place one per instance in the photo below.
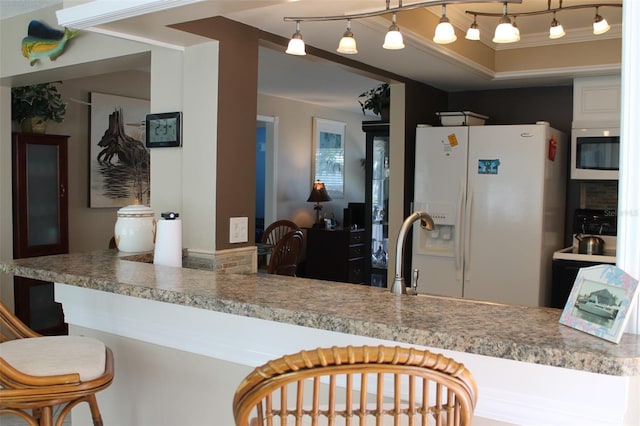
(600, 25)
(506, 32)
(393, 39)
(556, 30)
(347, 43)
(473, 33)
(445, 33)
(296, 44)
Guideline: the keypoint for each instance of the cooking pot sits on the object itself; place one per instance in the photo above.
(590, 244)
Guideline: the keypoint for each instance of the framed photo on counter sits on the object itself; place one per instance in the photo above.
(599, 302)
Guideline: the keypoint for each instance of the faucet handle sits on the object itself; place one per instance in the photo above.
(414, 282)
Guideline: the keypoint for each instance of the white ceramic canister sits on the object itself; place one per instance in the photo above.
(135, 229)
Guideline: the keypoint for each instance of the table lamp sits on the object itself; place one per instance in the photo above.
(318, 195)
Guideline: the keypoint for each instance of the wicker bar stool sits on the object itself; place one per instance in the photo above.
(38, 373)
(404, 386)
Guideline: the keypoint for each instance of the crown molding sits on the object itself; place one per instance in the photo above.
(100, 12)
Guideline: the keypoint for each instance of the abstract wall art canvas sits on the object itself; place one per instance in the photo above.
(119, 163)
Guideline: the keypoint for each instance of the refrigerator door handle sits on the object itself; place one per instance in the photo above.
(459, 232)
(467, 236)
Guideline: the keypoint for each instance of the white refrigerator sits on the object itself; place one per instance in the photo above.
(497, 197)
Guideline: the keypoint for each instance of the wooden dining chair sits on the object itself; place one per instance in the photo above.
(38, 373)
(286, 253)
(323, 386)
(274, 233)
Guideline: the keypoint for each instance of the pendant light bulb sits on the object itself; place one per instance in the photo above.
(556, 30)
(393, 39)
(347, 43)
(473, 33)
(296, 44)
(600, 25)
(445, 33)
(505, 31)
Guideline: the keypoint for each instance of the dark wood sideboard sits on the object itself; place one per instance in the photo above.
(336, 255)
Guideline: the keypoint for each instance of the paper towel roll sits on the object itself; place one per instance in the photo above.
(168, 250)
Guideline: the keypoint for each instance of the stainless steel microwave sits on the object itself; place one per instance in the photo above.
(595, 153)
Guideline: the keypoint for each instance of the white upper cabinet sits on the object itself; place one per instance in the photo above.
(596, 101)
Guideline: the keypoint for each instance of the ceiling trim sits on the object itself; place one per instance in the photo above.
(556, 72)
(99, 12)
(133, 37)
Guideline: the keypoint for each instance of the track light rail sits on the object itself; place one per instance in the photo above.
(388, 9)
(545, 11)
(505, 32)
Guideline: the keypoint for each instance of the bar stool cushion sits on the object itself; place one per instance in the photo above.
(53, 355)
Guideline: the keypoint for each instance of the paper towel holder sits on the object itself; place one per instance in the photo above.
(170, 215)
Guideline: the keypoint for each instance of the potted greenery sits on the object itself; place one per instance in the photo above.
(377, 101)
(32, 106)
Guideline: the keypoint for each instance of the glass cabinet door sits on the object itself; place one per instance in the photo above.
(377, 202)
(40, 194)
(40, 223)
(379, 209)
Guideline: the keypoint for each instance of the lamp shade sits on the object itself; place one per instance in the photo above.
(505, 31)
(296, 47)
(473, 33)
(444, 33)
(393, 40)
(318, 193)
(600, 25)
(556, 30)
(296, 44)
(348, 44)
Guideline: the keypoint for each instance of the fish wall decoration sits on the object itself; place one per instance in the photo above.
(43, 40)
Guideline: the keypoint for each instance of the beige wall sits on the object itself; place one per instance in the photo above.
(85, 55)
(558, 56)
(294, 157)
(90, 229)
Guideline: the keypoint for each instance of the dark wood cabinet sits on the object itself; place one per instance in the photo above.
(336, 255)
(40, 222)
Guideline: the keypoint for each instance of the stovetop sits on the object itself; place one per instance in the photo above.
(602, 223)
(571, 253)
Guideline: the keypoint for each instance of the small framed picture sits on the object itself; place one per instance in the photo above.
(163, 130)
(327, 155)
(599, 302)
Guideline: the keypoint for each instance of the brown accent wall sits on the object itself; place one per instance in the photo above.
(237, 112)
(519, 106)
(422, 103)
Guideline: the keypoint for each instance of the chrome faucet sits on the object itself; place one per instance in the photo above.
(426, 222)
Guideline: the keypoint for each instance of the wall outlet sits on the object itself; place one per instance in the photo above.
(238, 230)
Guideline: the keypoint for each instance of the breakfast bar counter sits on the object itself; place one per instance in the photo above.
(517, 353)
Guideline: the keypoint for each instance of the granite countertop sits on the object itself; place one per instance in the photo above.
(503, 331)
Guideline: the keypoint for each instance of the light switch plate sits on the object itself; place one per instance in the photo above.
(238, 230)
